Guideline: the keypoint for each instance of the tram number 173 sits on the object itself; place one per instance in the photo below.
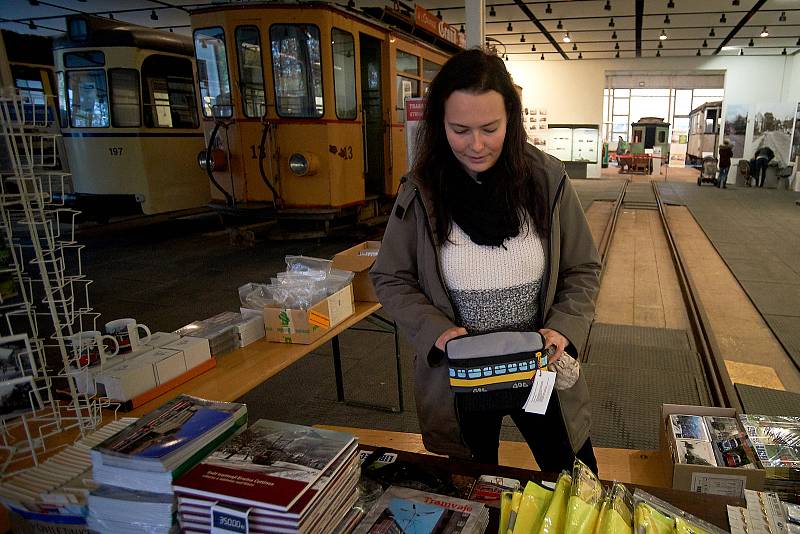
(115, 151)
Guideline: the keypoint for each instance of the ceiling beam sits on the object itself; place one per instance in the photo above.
(639, 22)
(528, 13)
(735, 30)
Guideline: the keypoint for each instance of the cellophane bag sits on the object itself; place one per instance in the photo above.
(648, 520)
(516, 499)
(553, 521)
(616, 513)
(535, 501)
(585, 499)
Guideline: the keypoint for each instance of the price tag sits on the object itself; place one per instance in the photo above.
(539, 398)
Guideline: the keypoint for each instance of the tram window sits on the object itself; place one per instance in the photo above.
(124, 98)
(62, 97)
(711, 120)
(297, 70)
(87, 93)
(251, 70)
(212, 68)
(344, 73)
(406, 88)
(407, 63)
(430, 69)
(168, 87)
(662, 136)
(82, 60)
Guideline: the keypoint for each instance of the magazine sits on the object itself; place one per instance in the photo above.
(688, 427)
(271, 464)
(168, 436)
(487, 488)
(692, 451)
(409, 510)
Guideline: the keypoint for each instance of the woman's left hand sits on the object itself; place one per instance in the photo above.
(552, 337)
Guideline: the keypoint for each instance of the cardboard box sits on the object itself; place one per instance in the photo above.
(167, 363)
(730, 481)
(126, 380)
(349, 260)
(195, 350)
(304, 327)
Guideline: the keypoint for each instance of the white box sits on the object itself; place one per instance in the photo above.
(167, 364)
(127, 380)
(195, 350)
(160, 339)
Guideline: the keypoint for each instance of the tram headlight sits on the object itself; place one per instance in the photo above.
(303, 164)
(218, 159)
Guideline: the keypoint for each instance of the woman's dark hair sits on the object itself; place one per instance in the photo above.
(477, 72)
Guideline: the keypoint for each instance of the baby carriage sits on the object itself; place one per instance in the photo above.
(708, 171)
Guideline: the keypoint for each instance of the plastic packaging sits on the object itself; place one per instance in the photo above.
(535, 501)
(516, 499)
(682, 526)
(313, 267)
(505, 511)
(585, 498)
(648, 520)
(553, 521)
(653, 516)
(616, 513)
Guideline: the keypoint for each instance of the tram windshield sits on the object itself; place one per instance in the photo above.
(251, 71)
(212, 70)
(87, 92)
(297, 70)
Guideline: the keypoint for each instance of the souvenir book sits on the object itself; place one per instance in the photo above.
(688, 427)
(270, 465)
(696, 452)
(169, 436)
(405, 510)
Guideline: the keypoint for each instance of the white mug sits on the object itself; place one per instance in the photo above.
(126, 331)
(89, 347)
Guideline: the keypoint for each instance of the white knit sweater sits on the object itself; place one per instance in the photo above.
(494, 288)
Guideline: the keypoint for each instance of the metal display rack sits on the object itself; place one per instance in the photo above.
(50, 299)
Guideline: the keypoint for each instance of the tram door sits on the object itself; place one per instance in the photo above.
(372, 106)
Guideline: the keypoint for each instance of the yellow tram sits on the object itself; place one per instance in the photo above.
(303, 104)
(129, 118)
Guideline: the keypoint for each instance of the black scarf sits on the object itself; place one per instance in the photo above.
(479, 208)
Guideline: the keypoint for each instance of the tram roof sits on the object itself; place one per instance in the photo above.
(27, 48)
(104, 33)
(701, 107)
(382, 17)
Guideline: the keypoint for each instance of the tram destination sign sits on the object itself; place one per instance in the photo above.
(430, 22)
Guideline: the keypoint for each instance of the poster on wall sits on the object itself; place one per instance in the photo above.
(772, 127)
(677, 155)
(736, 127)
(796, 136)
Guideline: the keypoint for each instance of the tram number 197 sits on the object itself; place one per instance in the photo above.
(115, 151)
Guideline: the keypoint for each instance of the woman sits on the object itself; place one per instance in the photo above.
(487, 235)
(725, 155)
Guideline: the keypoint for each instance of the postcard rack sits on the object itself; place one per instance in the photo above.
(45, 294)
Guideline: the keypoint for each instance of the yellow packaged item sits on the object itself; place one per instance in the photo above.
(516, 499)
(648, 520)
(535, 500)
(683, 526)
(585, 498)
(553, 521)
(505, 510)
(616, 513)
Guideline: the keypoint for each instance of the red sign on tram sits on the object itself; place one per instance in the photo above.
(427, 20)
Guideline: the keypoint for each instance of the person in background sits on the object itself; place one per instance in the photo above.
(725, 155)
(487, 235)
(762, 158)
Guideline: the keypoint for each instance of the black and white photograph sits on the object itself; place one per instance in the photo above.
(772, 127)
(18, 396)
(16, 357)
(796, 136)
(736, 127)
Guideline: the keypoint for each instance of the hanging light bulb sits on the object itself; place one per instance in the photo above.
(505, 57)
(666, 20)
(580, 55)
(658, 53)
(574, 47)
(153, 15)
(492, 12)
(784, 52)
(705, 43)
(559, 26)
(723, 19)
(663, 36)
(522, 38)
(462, 29)
(171, 30)
(611, 23)
(617, 54)
(671, 4)
(764, 32)
(616, 46)
(735, 3)
(782, 18)
(566, 38)
(32, 25)
(509, 28)
(741, 51)
(660, 44)
(751, 43)
(698, 53)
(614, 35)
(533, 47)
(607, 7)
(712, 33)
(439, 14)
(549, 11)
(542, 58)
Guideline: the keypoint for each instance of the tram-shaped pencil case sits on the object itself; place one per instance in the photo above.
(498, 360)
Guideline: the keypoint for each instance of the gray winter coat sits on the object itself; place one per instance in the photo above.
(409, 285)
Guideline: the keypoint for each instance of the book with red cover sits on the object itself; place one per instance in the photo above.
(270, 465)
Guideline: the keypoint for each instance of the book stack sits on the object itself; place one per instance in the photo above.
(141, 462)
(776, 442)
(273, 477)
(222, 338)
(710, 440)
(409, 510)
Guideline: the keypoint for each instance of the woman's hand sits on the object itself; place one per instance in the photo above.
(450, 333)
(552, 337)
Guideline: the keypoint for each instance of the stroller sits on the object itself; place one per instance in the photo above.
(708, 171)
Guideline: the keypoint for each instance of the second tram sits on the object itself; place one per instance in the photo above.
(704, 128)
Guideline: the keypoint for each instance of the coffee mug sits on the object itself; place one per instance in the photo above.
(126, 331)
(91, 347)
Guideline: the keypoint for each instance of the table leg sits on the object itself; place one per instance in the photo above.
(337, 368)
